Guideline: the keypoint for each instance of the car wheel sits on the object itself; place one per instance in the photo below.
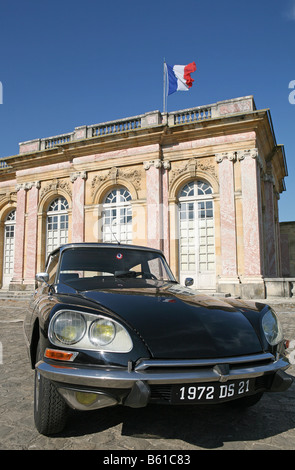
(245, 402)
(50, 410)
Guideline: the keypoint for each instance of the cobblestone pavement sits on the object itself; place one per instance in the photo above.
(269, 425)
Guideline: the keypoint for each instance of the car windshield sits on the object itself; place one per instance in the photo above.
(103, 267)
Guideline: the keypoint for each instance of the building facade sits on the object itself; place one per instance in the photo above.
(201, 184)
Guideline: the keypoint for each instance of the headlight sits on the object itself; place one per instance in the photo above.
(102, 332)
(69, 327)
(272, 328)
(88, 331)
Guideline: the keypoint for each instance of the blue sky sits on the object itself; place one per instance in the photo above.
(68, 63)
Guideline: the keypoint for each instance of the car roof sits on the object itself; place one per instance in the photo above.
(102, 245)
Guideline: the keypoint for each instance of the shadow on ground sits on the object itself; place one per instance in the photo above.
(209, 427)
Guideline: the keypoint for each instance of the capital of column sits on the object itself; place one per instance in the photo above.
(219, 157)
(28, 185)
(249, 153)
(78, 174)
(157, 164)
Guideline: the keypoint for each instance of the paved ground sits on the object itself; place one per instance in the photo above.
(270, 425)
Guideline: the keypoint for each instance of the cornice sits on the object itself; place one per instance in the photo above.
(163, 135)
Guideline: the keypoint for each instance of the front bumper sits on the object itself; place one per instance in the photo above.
(133, 386)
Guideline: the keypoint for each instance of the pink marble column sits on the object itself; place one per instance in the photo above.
(18, 274)
(154, 203)
(165, 209)
(32, 230)
(227, 215)
(251, 203)
(78, 216)
(269, 227)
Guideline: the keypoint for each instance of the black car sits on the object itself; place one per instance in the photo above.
(109, 325)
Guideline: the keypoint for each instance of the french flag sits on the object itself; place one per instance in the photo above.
(179, 77)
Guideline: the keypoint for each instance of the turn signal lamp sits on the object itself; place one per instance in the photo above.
(60, 355)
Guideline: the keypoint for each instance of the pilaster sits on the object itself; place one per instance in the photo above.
(157, 204)
(78, 200)
(252, 217)
(18, 274)
(228, 229)
(32, 232)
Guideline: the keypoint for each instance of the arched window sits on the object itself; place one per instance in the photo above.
(196, 234)
(57, 224)
(9, 237)
(117, 216)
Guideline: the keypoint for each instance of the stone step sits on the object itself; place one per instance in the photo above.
(16, 295)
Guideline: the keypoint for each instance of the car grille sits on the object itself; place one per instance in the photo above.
(161, 393)
(252, 360)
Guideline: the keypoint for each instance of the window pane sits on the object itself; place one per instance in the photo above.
(57, 224)
(117, 217)
(9, 232)
(196, 228)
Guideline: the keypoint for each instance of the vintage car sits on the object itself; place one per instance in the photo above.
(109, 325)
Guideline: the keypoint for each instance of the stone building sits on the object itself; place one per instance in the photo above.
(202, 184)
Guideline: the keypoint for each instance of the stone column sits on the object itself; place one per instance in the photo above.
(157, 205)
(18, 274)
(78, 201)
(165, 209)
(154, 201)
(252, 214)
(32, 230)
(228, 229)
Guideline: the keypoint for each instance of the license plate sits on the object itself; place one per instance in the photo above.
(211, 392)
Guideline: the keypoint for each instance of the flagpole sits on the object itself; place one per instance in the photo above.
(164, 87)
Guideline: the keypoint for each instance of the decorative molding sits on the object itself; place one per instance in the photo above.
(166, 165)
(157, 164)
(78, 174)
(54, 186)
(147, 164)
(250, 153)
(219, 157)
(192, 167)
(28, 185)
(134, 176)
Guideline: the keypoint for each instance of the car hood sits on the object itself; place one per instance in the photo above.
(176, 322)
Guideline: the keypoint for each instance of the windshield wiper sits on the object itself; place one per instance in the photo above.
(127, 274)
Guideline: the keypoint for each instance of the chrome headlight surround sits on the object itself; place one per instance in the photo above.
(81, 330)
(272, 328)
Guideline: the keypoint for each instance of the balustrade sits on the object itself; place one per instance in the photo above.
(113, 127)
(52, 142)
(188, 116)
(151, 119)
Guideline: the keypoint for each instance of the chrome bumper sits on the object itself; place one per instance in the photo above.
(164, 372)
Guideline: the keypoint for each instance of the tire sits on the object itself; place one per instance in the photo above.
(246, 402)
(50, 409)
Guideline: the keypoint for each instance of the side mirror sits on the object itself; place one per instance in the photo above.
(42, 277)
(188, 281)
